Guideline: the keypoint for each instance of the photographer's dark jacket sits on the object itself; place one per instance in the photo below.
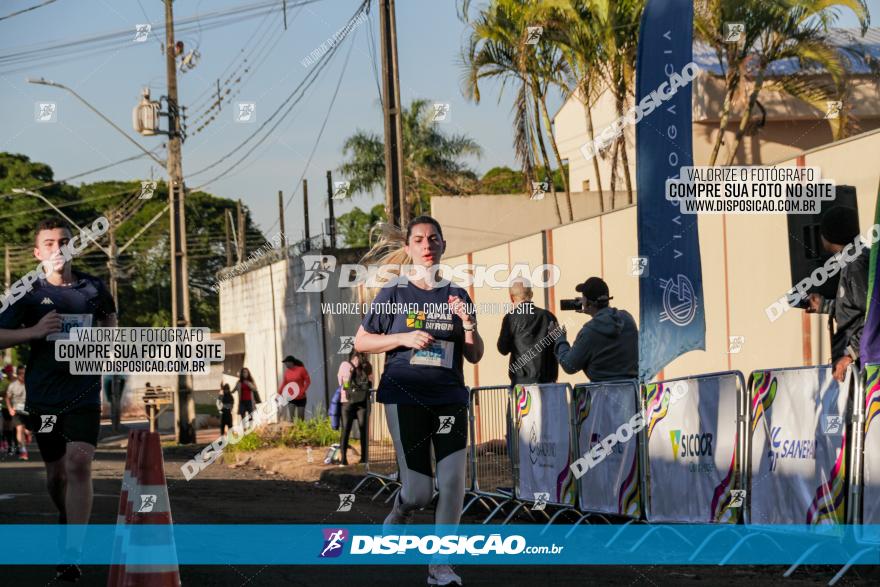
(849, 307)
(606, 348)
(526, 336)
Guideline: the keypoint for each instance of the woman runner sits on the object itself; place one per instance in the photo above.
(422, 385)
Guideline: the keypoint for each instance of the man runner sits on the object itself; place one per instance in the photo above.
(64, 410)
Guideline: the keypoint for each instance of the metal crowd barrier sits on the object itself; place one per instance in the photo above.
(381, 460)
(585, 397)
(657, 405)
(491, 474)
(758, 402)
(864, 398)
(852, 443)
(493, 468)
(858, 423)
(521, 501)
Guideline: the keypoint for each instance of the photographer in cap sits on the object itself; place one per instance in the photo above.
(607, 347)
(839, 229)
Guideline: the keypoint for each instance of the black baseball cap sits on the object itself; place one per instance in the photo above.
(594, 289)
(840, 225)
(289, 359)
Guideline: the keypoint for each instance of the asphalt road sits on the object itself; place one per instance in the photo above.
(226, 495)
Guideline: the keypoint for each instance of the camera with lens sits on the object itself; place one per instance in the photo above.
(575, 304)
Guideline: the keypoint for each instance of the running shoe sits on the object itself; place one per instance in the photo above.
(396, 517)
(442, 575)
(22, 454)
(70, 573)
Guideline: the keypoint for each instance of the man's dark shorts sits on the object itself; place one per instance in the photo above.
(78, 425)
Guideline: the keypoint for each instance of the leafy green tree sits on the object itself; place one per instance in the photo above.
(433, 160)
(144, 281)
(355, 226)
(504, 180)
(499, 47)
(776, 30)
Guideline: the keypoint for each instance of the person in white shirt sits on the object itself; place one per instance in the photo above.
(15, 401)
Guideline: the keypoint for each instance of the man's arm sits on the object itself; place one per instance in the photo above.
(573, 358)
(47, 325)
(857, 294)
(504, 338)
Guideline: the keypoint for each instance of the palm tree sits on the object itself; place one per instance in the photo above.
(570, 27)
(614, 25)
(433, 161)
(497, 48)
(775, 30)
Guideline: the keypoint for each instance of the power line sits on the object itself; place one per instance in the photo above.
(11, 14)
(249, 71)
(307, 82)
(196, 101)
(65, 51)
(320, 134)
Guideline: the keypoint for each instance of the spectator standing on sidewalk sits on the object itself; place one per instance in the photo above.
(296, 376)
(225, 403)
(7, 430)
(522, 333)
(246, 389)
(356, 389)
(15, 403)
(839, 229)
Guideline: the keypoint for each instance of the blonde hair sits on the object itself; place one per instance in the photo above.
(389, 249)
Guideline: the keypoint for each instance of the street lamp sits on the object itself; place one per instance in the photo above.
(112, 253)
(51, 205)
(45, 82)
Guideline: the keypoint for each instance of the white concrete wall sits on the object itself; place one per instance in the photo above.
(290, 325)
(293, 325)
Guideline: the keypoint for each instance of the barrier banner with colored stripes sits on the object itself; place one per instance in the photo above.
(692, 449)
(798, 464)
(871, 451)
(542, 424)
(611, 484)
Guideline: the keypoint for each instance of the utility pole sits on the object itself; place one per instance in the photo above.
(228, 241)
(281, 217)
(395, 208)
(332, 227)
(242, 251)
(184, 406)
(112, 265)
(306, 209)
(7, 283)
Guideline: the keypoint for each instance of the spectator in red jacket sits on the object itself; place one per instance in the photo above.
(294, 384)
(248, 397)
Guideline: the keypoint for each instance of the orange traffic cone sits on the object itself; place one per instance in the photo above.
(148, 504)
(129, 484)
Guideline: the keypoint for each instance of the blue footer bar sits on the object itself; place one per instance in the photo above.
(310, 544)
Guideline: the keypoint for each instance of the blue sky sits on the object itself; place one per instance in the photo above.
(430, 36)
